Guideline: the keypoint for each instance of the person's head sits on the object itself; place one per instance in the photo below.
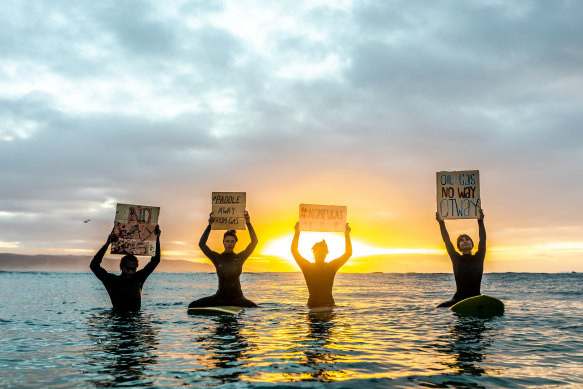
(229, 240)
(128, 265)
(465, 244)
(320, 251)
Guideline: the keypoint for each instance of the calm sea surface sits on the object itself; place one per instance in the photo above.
(57, 330)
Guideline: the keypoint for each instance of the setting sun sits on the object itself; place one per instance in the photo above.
(281, 247)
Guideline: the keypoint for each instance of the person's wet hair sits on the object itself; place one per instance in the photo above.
(232, 233)
(320, 246)
(128, 258)
(460, 238)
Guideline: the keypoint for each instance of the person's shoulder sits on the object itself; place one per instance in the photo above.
(107, 276)
(308, 264)
(479, 255)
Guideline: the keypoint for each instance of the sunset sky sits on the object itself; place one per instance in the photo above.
(354, 103)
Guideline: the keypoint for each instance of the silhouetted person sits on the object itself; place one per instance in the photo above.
(467, 267)
(319, 275)
(229, 266)
(125, 290)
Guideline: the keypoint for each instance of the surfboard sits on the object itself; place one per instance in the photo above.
(482, 306)
(225, 309)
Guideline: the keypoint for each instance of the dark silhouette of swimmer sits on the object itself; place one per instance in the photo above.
(229, 266)
(125, 290)
(467, 267)
(319, 275)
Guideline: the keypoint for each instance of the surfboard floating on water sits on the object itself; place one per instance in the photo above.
(226, 309)
(482, 306)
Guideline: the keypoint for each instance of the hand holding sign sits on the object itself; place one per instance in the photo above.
(112, 238)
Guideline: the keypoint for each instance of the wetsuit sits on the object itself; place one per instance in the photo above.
(319, 276)
(125, 292)
(467, 268)
(229, 267)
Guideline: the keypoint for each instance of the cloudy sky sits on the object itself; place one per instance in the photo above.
(354, 103)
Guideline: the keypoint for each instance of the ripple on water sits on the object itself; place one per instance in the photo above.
(386, 332)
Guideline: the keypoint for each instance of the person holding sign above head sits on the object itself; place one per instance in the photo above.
(125, 290)
(229, 266)
(467, 267)
(319, 275)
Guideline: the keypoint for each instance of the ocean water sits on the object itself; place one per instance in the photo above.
(58, 331)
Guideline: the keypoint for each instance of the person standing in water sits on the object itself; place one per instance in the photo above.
(125, 290)
(229, 266)
(467, 267)
(319, 275)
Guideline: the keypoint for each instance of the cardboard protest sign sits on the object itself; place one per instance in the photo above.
(229, 210)
(458, 194)
(134, 225)
(315, 217)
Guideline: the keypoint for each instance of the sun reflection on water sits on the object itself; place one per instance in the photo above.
(384, 332)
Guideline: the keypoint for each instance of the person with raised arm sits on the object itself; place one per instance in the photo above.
(319, 275)
(467, 267)
(229, 266)
(125, 289)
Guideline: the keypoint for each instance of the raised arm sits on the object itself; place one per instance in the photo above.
(482, 234)
(340, 261)
(247, 252)
(301, 261)
(150, 266)
(445, 236)
(202, 243)
(95, 265)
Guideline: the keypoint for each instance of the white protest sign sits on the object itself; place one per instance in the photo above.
(315, 217)
(458, 194)
(134, 225)
(229, 210)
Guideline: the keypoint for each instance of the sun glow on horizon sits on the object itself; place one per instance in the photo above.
(541, 248)
(281, 247)
(9, 245)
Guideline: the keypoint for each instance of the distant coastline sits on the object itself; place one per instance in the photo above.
(80, 263)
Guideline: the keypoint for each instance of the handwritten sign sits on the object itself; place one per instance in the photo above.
(315, 217)
(229, 210)
(458, 194)
(134, 225)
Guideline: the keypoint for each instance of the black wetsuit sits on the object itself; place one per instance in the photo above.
(125, 292)
(229, 267)
(320, 280)
(320, 276)
(467, 268)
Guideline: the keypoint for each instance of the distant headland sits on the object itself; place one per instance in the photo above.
(79, 263)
